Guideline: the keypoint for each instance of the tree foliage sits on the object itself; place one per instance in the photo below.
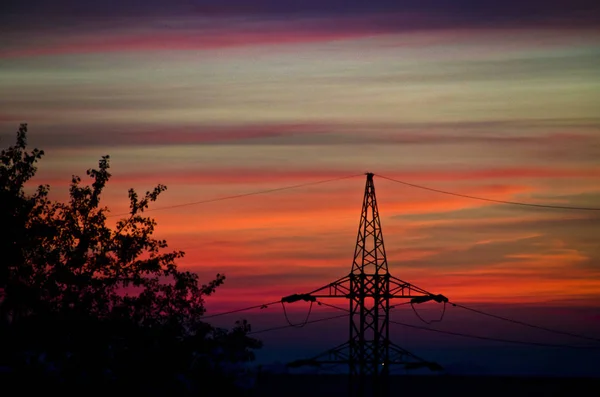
(91, 303)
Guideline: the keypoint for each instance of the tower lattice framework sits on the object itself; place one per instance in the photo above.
(369, 287)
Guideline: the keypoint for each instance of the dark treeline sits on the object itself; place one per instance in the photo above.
(88, 308)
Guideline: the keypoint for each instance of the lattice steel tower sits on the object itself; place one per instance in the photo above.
(368, 288)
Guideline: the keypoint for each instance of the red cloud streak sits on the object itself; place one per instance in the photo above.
(219, 33)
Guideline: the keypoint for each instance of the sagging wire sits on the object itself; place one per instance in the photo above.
(428, 322)
(279, 327)
(261, 306)
(495, 339)
(332, 306)
(525, 324)
(561, 207)
(399, 304)
(301, 324)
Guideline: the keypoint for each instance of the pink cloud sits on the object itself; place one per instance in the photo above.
(217, 32)
(210, 34)
(176, 41)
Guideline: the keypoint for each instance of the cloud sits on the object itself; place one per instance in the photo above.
(535, 134)
(168, 41)
(138, 135)
(170, 29)
(184, 33)
(260, 177)
(554, 220)
(494, 212)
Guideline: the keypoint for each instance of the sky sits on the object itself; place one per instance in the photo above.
(223, 98)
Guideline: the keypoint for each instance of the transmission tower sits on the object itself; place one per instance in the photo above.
(369, 288)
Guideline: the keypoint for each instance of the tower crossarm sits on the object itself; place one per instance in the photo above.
(400, 356)
(341, 289)
(341, 355)
(337, 355)
(403, 289)
(338, 289)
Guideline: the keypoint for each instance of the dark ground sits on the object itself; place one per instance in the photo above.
(308, 385)
(439, 386)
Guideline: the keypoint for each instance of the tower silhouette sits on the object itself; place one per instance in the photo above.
(368, 288)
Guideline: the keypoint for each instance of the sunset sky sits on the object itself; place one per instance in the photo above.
(219, 98)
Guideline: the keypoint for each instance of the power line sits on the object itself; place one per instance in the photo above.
(400, 304)
(475, 336)
(333, 306)
(263, 306)
(491, 200)
(484, 313)
(302, 324)
(291, 326)
(243, 195)
(438, 320)
(525, 324)
(494, 339)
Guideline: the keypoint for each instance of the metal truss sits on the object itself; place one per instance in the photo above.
(368, 288)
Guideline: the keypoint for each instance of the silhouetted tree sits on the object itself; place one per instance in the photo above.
(84, 303)
(16, 209)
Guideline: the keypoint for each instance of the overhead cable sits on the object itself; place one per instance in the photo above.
(429, 321)
(263, 306)
(494, 339)
(260, 331)
(525, 324)
(302, 324)
(243, 195)
(491, 200)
